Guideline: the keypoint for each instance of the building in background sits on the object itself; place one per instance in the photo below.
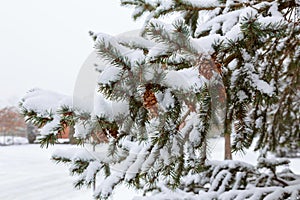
(12, 125)
(12, 122)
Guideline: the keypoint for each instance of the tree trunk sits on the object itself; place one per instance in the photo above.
(71, 135)
(227, 133)
(228, 154)
(204, 152)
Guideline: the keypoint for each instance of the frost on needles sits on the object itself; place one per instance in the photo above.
(227, 66)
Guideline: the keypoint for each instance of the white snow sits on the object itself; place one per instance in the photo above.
(242, 95)
(165, 100)
(50, 127)
(275, 17)
(28, 173)
(157, 50)
(133, 56)
(109, 74)
(107, 108)
(9, 140)
(262, 85)
(183, 79)
(204, 44)
(133, 38)
(81, 129)
(43, 101)
(202, 3)
(134, 169)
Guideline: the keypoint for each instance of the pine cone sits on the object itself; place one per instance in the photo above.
(206, 69)
(208, 66)
(113, 132)
(99, 137)
(150, 101)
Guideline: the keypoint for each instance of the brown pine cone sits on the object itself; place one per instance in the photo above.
(150, 101)
(99, 137)
(208, 66)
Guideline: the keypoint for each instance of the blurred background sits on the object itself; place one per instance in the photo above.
(43, 44)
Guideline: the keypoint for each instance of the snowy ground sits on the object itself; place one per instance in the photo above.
(27, 173)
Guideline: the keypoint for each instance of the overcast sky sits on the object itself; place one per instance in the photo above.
(43, 43)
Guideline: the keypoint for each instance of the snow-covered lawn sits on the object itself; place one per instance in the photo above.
(27, 173)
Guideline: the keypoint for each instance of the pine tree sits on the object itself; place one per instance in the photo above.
(227, 64)
(257, 44)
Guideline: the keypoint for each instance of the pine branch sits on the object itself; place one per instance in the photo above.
(108, 51)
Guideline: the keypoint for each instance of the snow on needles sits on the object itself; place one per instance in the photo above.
(44, 101)
(133, 56)
(183, 79)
